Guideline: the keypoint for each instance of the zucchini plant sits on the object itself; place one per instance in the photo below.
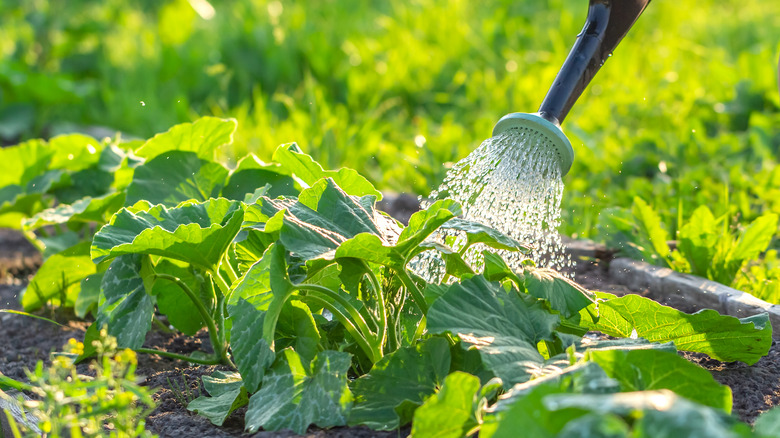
(309, 294)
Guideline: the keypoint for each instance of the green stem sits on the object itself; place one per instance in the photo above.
(418, 333)
(380, 298)
(364, 344)
(224, 287)
(33, 239)
(216, 342)
(214, 361)
(411, 286)
(356, 316)
(229, 268)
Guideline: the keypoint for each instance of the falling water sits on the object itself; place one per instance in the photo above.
(511, 182)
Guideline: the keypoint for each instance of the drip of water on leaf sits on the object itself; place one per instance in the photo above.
(512, 183)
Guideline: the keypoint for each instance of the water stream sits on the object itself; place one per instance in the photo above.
(512, 183)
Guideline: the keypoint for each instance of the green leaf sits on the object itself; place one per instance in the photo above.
(423, 223)
(89, 296)
(450, 412)
(722, 337)
(698, 241)
(503, 326)
(74, 152)
(227, 394)
(251, 352)
(252, 173)
(768, 423)
(528, 414)
(496, 269)
(595, 425)
(85, 210)
(324, 217)
(174, 303)
(479, 233)
(381, 250)
(294, 396)
(564, 295)
(196, 233)
(409, 374)
(249, 247)
(651, 233)
(660, 413)
(59, 276)
(21, 163)
(309, 171)
(125, 308)
(174, 177)
(296, 328)
(640, 370)
(204, 137)
(756, 238)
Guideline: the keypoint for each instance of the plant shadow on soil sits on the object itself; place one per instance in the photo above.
(26, 340)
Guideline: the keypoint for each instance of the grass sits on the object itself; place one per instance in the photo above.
(686, 113)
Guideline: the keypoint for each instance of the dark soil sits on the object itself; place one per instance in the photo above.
(26, 340)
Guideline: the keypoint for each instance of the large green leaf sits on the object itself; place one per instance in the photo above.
(309, 171)
(479, 233)
(21, 163)
(406, 376)
(59, 277)
(659, 413)
(84, 210)
(504, 326)
(652, 236)
(204, 137)
(251, 352)
(294, 396)
(196, 233)
(174, 177)
(89, 295)
(648, 369)
(378, 249)
(564, 295)
(768, 423)
(450, 412)
(296, 328)
(323, 217)
(698, 241)
(226, 394)
(722, 337)
(125, 308)
(756, 238)
(252, 173)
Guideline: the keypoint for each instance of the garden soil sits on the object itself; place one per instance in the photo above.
(24, 341)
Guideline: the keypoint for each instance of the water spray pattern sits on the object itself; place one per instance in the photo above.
(511, 182)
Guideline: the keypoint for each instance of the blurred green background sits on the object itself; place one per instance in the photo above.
(685, 113)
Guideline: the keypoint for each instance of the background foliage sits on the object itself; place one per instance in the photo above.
(685, 112)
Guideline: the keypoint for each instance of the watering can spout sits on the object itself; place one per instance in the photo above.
(607, 23)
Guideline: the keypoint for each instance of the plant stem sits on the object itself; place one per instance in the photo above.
(224, 287)
(364, 344)
(356, 316)
(214, 336)
(214, 361)
(380, 298)
(420, 328)
(411, 286)
(229, 269)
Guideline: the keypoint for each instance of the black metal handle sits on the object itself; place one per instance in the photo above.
(607, 23)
